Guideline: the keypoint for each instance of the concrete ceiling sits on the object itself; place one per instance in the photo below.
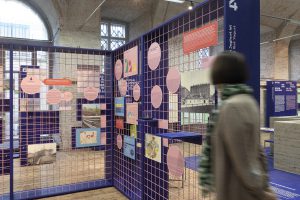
(278, 8)
(126, 10)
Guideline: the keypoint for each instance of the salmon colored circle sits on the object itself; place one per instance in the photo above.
(173, 80)
(122, 87)
(154, 55)
(156, 96)
(175, 161)
(90, 93)
(31, 85)
(118, 69)
(53, 97)
(136, 92)
(67, 96)
(119, 141)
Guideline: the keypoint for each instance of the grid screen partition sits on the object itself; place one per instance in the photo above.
(174, 98)
(187, 100)
(61, 121)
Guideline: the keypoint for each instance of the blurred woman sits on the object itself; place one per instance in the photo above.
(233, 164)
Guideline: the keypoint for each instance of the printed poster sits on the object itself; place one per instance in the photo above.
(132, 111)
(131, 62)
(87, 137)
(39, 154)
(153, 147)
(91, 116)
(133, 131)
(119, 106)
(129, 147)
(120, 123)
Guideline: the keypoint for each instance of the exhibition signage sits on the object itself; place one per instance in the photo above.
(242, 34)
(281, 99)
(199, 38)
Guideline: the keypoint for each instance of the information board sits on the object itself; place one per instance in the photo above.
(281, 99)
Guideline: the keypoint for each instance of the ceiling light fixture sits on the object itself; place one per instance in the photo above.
(191, 6)
(176, 1)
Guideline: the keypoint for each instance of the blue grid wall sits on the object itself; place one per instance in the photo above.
(157, 183)
(75, 169)
(127, 175)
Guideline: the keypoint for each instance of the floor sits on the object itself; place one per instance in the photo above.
(101, 194)
(71, 166)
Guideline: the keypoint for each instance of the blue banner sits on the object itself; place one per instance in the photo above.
(242, 34)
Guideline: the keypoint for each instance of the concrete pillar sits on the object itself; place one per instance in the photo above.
(281, 67)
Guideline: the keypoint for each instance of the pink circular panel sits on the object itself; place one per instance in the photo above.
(31, 85)
(122, 87)
(156, 96)
(173, 80)
(154, 55)
(90, 93)
(136, 92)
(53, 96)
(118, 69)
(175, 161)
(67, 96)
(119, 141)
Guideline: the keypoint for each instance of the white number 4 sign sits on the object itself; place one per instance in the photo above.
(233, 5)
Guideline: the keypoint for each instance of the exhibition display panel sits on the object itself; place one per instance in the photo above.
(56, 127)
(133, 118)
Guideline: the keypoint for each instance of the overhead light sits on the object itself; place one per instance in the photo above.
(176, 1)
(191, 6)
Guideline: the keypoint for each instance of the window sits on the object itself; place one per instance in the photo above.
(17, 20)
(113, 35)
(203, 55)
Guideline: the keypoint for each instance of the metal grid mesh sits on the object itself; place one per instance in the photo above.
(188, 109)
(47, 160)
(4, 122)
(127, 171)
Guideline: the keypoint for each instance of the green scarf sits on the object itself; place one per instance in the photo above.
(206, 178)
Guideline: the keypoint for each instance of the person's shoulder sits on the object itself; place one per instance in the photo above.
(238, 101)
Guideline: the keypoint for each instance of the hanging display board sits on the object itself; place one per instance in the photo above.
(281, 99)
(31, 85)
(118, 69)
(87, 137)
(131, 62)
(156, 96)
(132, 113)
(154, 55)
(129, 147)
(153, 147)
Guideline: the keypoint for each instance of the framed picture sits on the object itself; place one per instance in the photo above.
(120, 106)
(131, 62)
(153, 147)
(132, 113)
(91, 116)
(39, 154)
(87, 137)
(129, 147)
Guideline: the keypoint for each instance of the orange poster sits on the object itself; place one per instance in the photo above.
(199, 38)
